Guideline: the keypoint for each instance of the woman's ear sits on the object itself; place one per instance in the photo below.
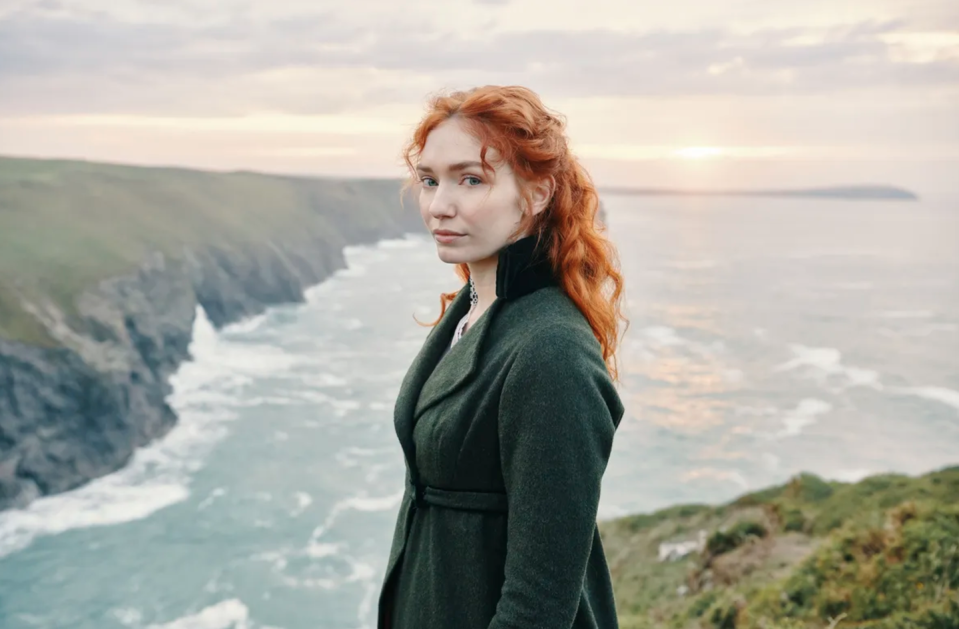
(541, 194)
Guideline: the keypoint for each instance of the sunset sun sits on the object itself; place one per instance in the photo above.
(698, 152)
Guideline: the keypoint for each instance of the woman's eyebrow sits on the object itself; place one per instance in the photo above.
(452, 167)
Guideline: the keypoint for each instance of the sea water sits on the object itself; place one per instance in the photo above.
(766, 337)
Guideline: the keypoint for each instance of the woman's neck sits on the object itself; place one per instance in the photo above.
(483, 275)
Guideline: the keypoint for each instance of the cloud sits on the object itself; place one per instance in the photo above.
(305, 61)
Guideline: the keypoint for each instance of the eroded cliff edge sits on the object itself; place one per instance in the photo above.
(86, 353)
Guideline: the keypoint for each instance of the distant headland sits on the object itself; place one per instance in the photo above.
(862, 192)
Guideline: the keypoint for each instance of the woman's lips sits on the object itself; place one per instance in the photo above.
(446, 237)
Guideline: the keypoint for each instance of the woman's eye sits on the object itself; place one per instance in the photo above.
(472, 179)
(428, 181)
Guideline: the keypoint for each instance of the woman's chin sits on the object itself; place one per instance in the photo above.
(450, 254)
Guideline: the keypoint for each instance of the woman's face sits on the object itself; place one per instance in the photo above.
(480, 212)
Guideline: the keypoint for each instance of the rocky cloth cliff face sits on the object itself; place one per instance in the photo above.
(78, 411)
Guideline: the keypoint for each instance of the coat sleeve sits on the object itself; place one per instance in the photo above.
(558, 412)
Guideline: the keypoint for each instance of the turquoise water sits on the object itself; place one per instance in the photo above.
(766, 337)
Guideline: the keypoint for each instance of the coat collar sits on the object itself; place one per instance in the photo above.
(521, 269)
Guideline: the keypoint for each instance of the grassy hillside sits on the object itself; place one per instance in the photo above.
(880, 553)
(66, 224)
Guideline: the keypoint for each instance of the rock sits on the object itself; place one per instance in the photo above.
(72, 413)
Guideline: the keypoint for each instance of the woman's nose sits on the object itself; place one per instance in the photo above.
(443, 202)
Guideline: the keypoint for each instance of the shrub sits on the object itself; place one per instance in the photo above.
(723, 615)
(702, 603)
(724, 541)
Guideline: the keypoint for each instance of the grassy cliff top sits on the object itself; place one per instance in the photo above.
(882, 553)
(66, 224)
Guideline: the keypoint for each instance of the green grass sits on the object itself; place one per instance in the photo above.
(64, 225)
(882, 553)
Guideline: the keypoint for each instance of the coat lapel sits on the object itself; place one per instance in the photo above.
(456, 368)
(422, 368)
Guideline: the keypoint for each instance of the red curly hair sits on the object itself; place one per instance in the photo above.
(532, 141)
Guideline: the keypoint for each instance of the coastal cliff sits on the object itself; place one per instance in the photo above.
(102, 269)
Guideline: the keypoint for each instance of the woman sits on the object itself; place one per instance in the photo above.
(506, 416)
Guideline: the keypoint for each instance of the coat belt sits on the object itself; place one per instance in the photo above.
(483, 501)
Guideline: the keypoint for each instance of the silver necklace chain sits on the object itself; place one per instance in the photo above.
(474, 299)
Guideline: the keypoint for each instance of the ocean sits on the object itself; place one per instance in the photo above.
(766, 337)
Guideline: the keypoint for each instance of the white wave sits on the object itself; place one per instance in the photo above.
(264, 400)
(278, 558)
(340, 407)
(311, 583)
(216, 493)
(245, 326)
(219, 365)
(905, 314)
(351, 456)
(159, 474)
(370, 595)
(949, 397)
(128, 616)
(821, 363)
(323, 380)
(357, 451)
(228, 614)
(803, 415)
(374, 471)
(303, 500)
(360, 502)
(360, 572)
(213, 585)
(109, 500)
(156, 477)
(923, 330)
(411, 241)
(318, 550)
(314, 295)
(352, 270)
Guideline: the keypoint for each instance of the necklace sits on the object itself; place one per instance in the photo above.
(461, 326)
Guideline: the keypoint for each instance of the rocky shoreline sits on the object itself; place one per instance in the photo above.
(77, 410)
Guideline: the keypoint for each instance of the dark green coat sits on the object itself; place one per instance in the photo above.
(506, 438)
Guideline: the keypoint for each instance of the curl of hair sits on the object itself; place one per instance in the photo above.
(532, 141)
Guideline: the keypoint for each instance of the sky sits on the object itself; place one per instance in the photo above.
(685, 93)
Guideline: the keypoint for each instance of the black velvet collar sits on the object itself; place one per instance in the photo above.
(522, 269)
